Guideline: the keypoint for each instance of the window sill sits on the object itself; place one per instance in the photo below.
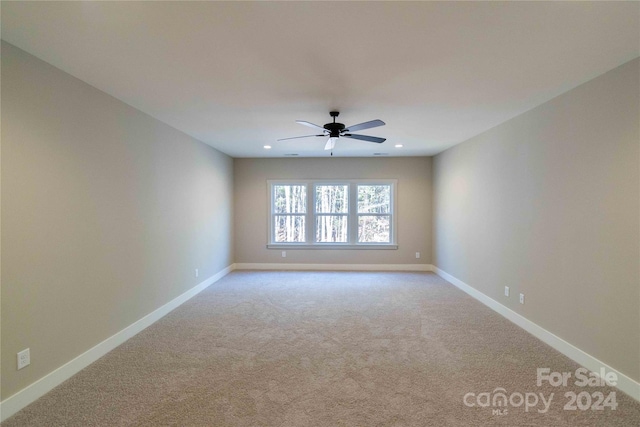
(368, 246)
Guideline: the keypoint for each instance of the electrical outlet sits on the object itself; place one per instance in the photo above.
(24, 358)
(417, 255)
(506, 291)
(521, 298)
(284, 254)
(197, 273)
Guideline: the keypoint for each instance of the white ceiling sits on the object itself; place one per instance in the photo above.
(236, 75)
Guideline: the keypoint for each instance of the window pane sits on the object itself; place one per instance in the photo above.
(373, 228)
(331, 228)
(374, 199)
(332, 198)
(290, 198)
(289, 228)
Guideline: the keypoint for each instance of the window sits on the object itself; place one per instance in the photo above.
(374, 213)
(332, 214)
(289, 209)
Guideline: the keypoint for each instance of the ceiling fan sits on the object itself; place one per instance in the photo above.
(337, 130)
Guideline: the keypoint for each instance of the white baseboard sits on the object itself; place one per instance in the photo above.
(29, 394)
(625, 383)
(333, 267)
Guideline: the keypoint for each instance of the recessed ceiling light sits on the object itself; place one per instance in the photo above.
(399, 145)
(267, 147)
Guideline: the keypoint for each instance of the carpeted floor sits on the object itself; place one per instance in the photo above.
(325, 349)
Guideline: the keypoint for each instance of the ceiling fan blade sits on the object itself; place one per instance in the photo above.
(296, 137)
(331, 142)
(311, 125)
(365, 125)
(365, 138)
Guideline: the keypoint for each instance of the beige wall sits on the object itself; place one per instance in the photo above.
(106, 212)
(413, 202)
(548, 204)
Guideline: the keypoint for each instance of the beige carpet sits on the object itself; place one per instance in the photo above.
(322, 349)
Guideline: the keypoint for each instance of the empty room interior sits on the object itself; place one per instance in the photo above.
(320, 213)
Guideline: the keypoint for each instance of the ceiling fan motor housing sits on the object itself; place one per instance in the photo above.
(334, 129)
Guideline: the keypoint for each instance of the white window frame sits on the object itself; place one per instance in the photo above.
(352, 215)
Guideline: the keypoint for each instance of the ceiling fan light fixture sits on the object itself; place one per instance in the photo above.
(331, 142)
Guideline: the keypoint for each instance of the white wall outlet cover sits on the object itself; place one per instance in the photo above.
(417, 255)
(197, 273)
(506, 291)
(24, 358)
(284, 254)
(521, 298)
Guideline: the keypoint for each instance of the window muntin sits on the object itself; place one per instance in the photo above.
(333, 214)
